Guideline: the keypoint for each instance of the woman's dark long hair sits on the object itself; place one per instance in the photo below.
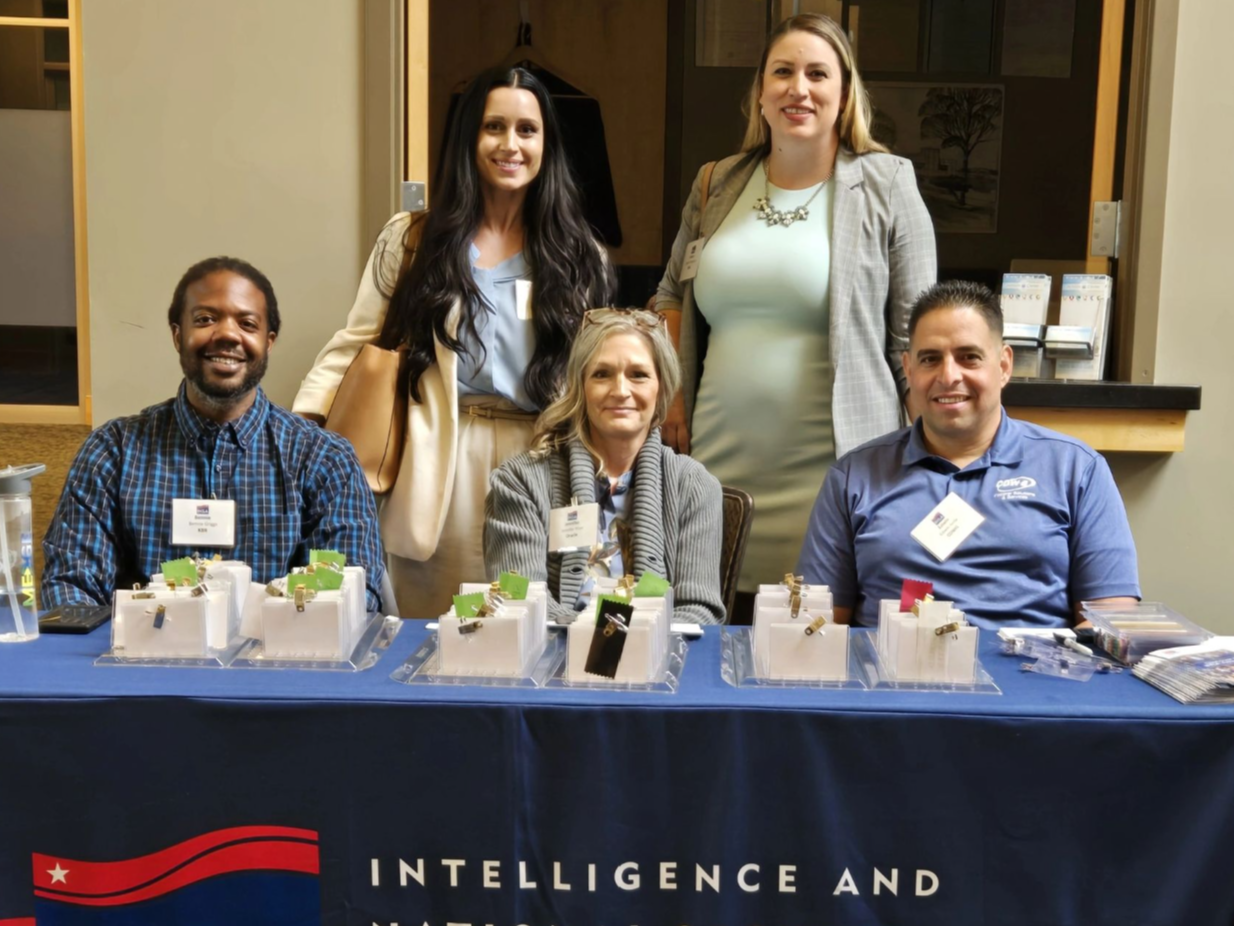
(569, 270)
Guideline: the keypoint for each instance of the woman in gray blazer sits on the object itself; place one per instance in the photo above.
(789, 288)
(599, 443)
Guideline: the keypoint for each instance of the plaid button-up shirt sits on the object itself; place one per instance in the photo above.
(296, 486)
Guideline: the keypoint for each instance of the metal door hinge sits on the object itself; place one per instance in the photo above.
(1105, 235)
(412, 195)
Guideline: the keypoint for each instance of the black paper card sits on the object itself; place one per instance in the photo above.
(612, 619)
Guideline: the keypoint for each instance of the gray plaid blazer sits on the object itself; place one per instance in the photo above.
(883, 256)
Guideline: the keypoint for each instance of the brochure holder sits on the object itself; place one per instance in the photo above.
(1069, 342)
(1079, 343)
(1028, 343)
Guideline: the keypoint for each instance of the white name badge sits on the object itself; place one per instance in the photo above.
(573, 528)
(690, 263)
(947, 526)
(203, 522)
(523, 300)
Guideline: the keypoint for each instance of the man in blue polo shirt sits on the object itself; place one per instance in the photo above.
(1015, 523)
(273, 485)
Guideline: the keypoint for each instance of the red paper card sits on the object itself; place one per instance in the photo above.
(913, 590)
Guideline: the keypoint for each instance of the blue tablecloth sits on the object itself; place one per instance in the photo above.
(1055, 803)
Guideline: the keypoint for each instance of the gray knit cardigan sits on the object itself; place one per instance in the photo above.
(676, 514)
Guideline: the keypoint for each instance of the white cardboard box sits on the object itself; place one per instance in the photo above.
(506, 644)
(644, 657)
(329, 627)
(191, 626)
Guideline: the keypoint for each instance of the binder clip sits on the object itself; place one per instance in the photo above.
(199, 590)
(160, 614)
(303, 596)
(944, 629)
(815, 625)
(918, 602)
(795, 594)
(274, 591)
(466, 627)
(613, 626)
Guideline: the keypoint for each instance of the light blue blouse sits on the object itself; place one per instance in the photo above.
(508, 340)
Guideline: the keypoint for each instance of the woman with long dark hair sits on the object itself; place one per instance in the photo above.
(485, 291)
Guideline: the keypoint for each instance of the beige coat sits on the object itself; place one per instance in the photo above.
(415, 510)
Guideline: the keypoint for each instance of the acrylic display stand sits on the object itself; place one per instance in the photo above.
(174, 627)
(373, 641)
(737, 665)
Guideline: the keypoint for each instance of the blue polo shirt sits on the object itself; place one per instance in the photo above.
(1055, 531)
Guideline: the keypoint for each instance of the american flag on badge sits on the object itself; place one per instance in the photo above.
(937, 518)
(203, 511)
(572, 516)
(241, 876)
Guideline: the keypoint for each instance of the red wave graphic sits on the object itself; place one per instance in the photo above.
(245, 848)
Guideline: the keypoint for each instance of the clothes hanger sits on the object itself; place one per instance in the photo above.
(526, 55)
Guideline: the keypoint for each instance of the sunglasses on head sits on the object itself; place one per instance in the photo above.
(641, 317)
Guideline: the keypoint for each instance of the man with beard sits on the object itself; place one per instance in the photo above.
(1015, 523)
(251, 481)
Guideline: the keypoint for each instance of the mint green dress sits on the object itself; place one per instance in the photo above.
(763, 414)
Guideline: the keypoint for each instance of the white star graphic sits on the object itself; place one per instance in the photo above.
(57, 874)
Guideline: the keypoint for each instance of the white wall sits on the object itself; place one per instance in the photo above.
(228, 127)
(36, 221)
(1180, 505)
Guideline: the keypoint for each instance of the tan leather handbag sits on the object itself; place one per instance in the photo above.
(370, 410)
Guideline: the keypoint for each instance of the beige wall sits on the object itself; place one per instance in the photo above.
(227, 127)
(1181, 504)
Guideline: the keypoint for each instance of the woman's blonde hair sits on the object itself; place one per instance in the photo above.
(854, 122)
(566, 417)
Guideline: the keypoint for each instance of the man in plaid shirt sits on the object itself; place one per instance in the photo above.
(295, 486)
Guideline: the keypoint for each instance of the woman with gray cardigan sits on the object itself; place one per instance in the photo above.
(599, 443)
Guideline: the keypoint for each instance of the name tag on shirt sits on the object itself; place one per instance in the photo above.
(523, 300)
(947, 526)
(573, 528)
(203, 522)
(690, 264)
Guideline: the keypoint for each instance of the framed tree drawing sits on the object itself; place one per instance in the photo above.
(953, 134)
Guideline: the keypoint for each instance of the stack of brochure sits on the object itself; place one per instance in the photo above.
(1200, 674)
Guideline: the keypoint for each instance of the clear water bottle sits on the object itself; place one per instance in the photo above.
(18, 597)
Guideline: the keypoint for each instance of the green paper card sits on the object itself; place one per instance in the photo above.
(650, 585)
(306, 579)
(616, 599)
(514, 585)
(468, 605)
(328, 580)
(328, 556)
(177, 570)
